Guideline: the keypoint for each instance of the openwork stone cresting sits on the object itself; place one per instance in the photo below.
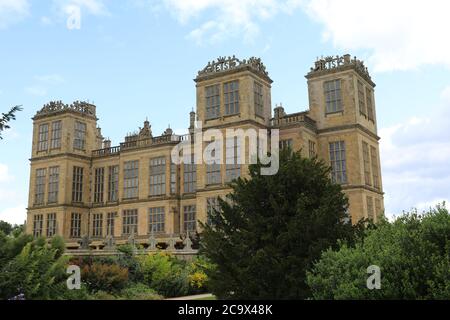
(228, 63)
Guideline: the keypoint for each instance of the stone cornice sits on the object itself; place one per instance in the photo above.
(347, 127)
(60, 155)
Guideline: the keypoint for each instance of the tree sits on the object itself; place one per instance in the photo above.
(271, 229)
(7, 117)
(413, 254)
(6, 227)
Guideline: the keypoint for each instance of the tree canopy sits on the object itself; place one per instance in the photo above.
(270, 229)
(413, 254)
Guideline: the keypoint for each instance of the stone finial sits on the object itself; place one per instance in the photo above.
(109, 242)
(84, 242)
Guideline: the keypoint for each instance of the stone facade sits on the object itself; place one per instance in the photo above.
(95, 195)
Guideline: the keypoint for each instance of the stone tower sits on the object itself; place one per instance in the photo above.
(341, 98)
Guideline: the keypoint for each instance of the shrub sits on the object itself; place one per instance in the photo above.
(139, 291)
(104, 277)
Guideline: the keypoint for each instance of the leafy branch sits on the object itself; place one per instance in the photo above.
(7, 117)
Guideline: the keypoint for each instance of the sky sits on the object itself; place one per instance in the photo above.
(136, 59)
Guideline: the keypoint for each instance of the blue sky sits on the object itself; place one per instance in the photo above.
(131, 56)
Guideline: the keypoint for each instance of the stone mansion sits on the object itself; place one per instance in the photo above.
(81, 187)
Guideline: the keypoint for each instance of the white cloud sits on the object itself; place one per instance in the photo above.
(5, 176)
(15, 215)
(415, 156)
(12, 11)
(94, 7)
(46, 21)
(36, 91)
(50, 79)
(228, 18)
(400, 34)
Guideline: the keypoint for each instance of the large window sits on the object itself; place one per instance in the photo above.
(190, 176)
(55, 141)
(75, 225)
(158, 176)
(173, 178)
(51, 224)
(370, 210)
(231, 97)
(374, 158)
(110, 223)
(53, 184)
(259, 101)
(43, 137)
(366, 161)
(377, 207)
(286, 144)
(338, 162)
(156, 218)
(131, 179)
(212, 204)
(233, 158)
(370, 113)
(99, 185)
(213, 175)
(312, 149)
(333, 98)
(361, 99)
(38, 223)
(77, 184)
(97, 225)
(190, 222)
(212, 101)
(80, 135)
(113, 183)
(130, 222)
(39, 193)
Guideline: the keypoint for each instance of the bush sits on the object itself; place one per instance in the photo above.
(198, 279)
(104, 277)
(413, 254)
(139, 291)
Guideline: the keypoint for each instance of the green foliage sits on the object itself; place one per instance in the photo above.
(58, 243)
(104, 277)
(35, 272)
(166, 274)
(7, 117)
(5, 227)
(139, 291)
(272, 228)
(413, 253)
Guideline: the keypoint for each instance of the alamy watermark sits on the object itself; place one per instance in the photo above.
(243, 146)
(374, 280)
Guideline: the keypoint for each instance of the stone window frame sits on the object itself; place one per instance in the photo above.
(110, 222)
(211, 204)
(156, 220)
(338, 162)
(129, 221)
(131, 179)
(173, 177)
(43, 135)
(113, 183)
(190, 218)
(77, 184)
(75, 225)
(79, 140)
(333, 96)
(233, 155)
(53, 184)
(40, 182)
(212, 102)
(362, 99)
(231, 97)
(99, 184)
(366, 163)
(258, 98)
(97, 225)
(375, 167)
(189, 176)
(55, 141)
(369, 102)
(312, 148)
(51, 224)
(38, 225)
(157, 176)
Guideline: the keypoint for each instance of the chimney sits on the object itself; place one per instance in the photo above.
(106, 144)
